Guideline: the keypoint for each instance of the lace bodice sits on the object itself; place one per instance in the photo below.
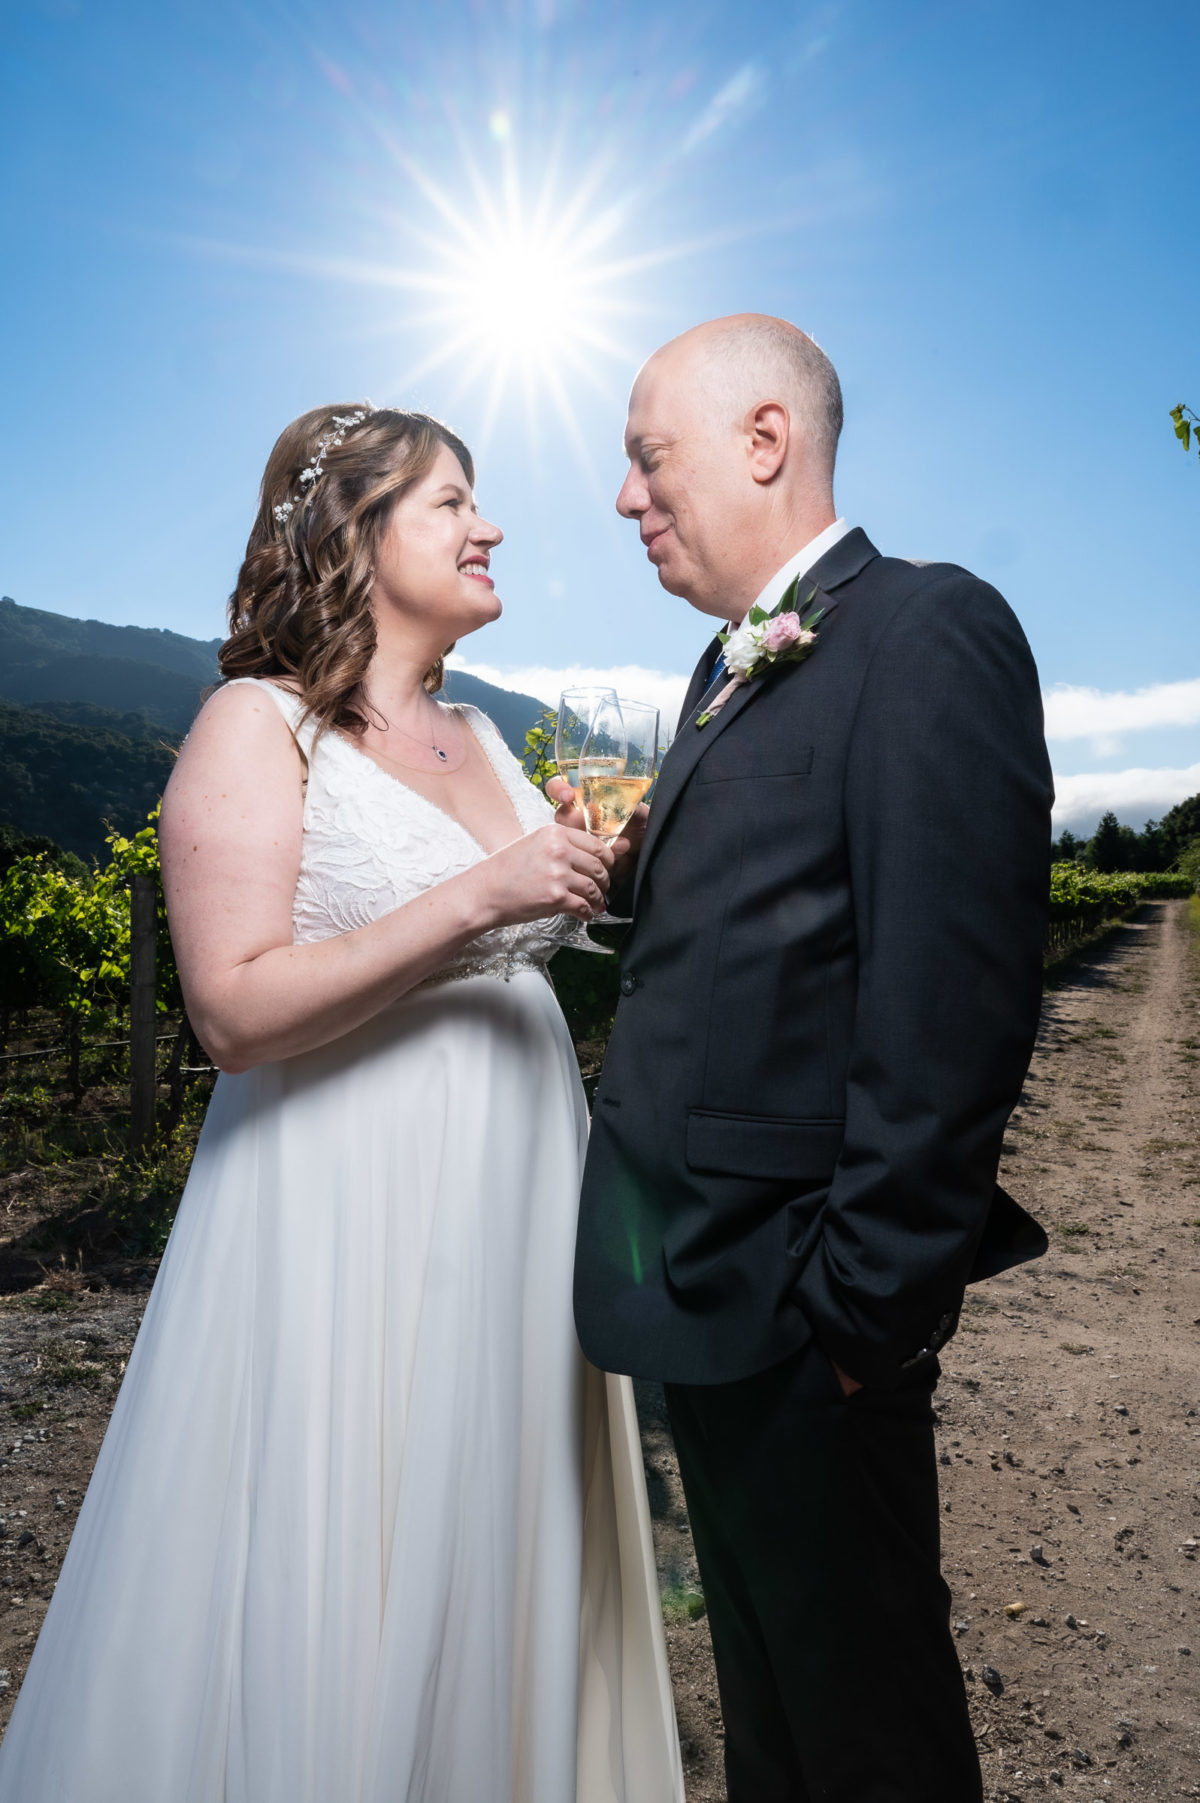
(370, 844)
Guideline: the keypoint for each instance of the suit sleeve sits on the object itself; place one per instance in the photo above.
(947, 824)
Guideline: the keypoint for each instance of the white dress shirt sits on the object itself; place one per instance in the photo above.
(804, 560)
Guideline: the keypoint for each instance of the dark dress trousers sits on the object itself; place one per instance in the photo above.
(829, 995)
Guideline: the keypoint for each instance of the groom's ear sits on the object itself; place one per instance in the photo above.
(768, 430)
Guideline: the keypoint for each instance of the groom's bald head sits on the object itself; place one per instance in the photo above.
(732, 434)
(750, 358)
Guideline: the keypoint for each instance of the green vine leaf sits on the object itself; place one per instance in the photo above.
(1185, 419)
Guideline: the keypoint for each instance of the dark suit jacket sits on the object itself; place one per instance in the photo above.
(829, 996)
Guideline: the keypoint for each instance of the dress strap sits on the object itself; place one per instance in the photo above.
(289, 705)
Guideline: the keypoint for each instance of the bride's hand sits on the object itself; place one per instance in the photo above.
(625, 849)
(556, 870)
(567, 810)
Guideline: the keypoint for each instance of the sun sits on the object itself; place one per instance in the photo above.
(529, 284)
(520, 273)
(526, 296)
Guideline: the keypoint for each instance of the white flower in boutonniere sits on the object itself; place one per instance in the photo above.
(763, 640)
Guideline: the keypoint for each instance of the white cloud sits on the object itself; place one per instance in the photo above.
(1134, 796)
(1103, 715)
(547, 681)
(736, 96)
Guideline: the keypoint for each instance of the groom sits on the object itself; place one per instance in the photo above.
(829, 994)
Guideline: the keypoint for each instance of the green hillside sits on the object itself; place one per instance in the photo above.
(139, 670)
(66, 780)
(514, 714)
(30, 636)
(129, 669)
(90, 715)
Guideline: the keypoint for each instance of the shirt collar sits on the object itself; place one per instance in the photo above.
(804, 560)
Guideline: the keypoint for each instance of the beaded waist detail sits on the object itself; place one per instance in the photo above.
(498, 964)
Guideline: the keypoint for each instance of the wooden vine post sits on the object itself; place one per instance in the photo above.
(143, 923)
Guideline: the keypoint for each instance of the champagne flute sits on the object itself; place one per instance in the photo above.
(576, 710)
(617, 766)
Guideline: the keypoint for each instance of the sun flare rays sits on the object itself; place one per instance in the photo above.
(528, 285)
(519, 270)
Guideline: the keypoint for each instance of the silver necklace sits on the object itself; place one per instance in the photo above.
(433, 744)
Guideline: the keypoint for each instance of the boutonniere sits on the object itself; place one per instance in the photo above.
(764, 640)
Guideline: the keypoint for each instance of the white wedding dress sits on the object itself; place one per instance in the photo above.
(365, 1528)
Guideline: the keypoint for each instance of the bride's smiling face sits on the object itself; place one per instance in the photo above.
(432, 566)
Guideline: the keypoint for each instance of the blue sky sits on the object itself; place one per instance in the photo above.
(216, 217)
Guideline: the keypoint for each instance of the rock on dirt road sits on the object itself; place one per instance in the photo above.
(1068, 1434)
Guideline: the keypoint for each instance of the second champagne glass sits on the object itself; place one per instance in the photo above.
(576, 711)
(616, 769)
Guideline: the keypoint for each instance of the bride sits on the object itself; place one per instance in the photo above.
(365, 1528)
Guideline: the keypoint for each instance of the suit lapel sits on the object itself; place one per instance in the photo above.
(698, 683)
(692, 741)
(689, 746)
(842, 562)
(845, 560)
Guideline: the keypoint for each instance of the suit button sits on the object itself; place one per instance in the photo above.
(628, 982)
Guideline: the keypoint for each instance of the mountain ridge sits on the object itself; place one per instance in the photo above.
(91, 715)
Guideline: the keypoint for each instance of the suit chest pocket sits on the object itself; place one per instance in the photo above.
(735, 758)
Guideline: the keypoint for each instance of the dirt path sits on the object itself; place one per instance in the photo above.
(1069, 1416)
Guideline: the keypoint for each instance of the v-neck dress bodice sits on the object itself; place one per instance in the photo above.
(372, 843)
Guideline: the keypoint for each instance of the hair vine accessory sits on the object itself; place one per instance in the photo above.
(311, 471)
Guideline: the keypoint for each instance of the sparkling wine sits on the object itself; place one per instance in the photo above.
(610, 798)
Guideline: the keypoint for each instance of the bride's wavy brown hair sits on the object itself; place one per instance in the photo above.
(301, 609)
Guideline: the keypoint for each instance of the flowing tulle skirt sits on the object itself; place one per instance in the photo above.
(365, 1528)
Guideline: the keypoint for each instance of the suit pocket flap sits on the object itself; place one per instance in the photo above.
(749, 1145)
(733, 759)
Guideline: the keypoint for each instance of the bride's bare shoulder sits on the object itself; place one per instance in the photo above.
(242, 727)
(245, 707)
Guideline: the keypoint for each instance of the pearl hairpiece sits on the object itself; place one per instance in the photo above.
(311, 471)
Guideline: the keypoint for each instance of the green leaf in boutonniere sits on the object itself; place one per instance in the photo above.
(789, 602)
(786, 603)
(764, 640)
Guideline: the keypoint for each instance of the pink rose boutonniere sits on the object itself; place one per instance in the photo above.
(782, 631)
(763, 640)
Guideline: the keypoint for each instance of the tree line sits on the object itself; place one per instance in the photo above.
(1159, 846)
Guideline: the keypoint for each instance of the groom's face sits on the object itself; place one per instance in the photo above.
(687, 473)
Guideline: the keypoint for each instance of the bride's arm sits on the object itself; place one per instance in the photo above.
(230, 835)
